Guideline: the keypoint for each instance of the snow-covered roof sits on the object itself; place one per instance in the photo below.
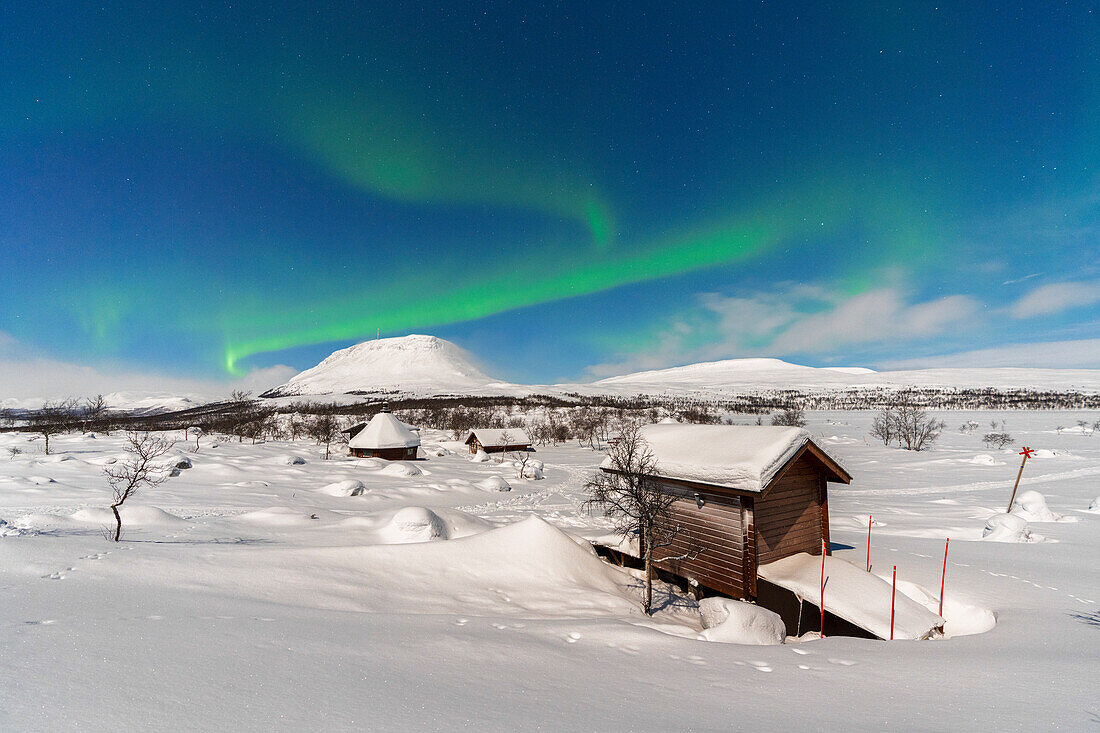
(494, 437)
(854, 595)
(740, 457)
(385, 431)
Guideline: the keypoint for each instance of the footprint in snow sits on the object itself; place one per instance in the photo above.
(572, 638)
(462, 622)
(842, 662)
(45, 622)
(54, 576)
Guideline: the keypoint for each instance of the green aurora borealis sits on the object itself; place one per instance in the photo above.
(211, 188)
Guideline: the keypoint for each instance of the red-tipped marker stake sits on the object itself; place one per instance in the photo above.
(821, 632)
(1026, 453)
(943, 577)
(869, 518)
(893, 592)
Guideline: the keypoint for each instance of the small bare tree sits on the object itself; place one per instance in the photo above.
(884, 426)
(505, 440)
(137, 471)
(51, 419)
(92, 413)
(635, 503)
(915, 428)
(325, 429)
(792, 417)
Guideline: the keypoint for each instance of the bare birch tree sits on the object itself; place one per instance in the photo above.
(137, 471)
(633, 500)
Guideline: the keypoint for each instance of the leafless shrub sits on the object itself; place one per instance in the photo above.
(137, 471)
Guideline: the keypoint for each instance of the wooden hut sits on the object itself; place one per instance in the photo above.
(498, 441)
(384, 436)
(746, 496)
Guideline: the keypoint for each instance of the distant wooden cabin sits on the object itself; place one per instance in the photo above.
(498, 441)
(746, 496)
(384, 436)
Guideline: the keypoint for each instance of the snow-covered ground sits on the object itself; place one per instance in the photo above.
(254, 592)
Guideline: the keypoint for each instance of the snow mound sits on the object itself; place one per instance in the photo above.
(416, 524)
(1008, 528)
(284, 516)
(1031, 506)
(370, 462)
(55, 458)
(131, 515)
(494, 483)
(39, 480)
(480, 457)
(737, 622)
(180, 461)
(288, 460)
(350, 487)
(1094, 507)
(961, 619)
(401, 469)
(436, 451)
(983, 459)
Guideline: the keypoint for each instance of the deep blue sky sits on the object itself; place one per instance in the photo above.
(567, 189)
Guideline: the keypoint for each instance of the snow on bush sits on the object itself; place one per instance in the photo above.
(983, 459)
(290, 460)
(494, 483)
(416, 524)
(180, 462)
(370, 463)
(350, 487)
(1008, 528)
(1031, 506)
(480, 457)
(401, 469)
(7, 530)
(737, 622)
(1094, 507)
(436, 451)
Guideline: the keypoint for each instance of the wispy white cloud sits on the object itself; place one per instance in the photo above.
(1056, 297)
(798, 319)
(28, 377)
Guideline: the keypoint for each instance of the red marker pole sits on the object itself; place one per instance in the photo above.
(893, 592)
(943, 577)
(869, 519)
(1026, 453)
(821, 631)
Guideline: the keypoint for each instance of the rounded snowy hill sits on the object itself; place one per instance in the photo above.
(412, 364)
(742, 373)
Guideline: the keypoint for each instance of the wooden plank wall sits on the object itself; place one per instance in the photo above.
(716, 531)
(789, 517)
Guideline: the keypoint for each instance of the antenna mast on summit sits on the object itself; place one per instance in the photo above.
(377, 334)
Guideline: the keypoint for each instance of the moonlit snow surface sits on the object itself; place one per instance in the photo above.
(254, 593)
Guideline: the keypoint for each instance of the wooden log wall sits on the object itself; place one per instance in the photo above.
(715, 533)
(789, 517)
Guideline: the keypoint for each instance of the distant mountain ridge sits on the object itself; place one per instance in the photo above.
(421, 365)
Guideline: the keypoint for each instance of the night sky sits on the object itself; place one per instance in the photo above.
(568, 189)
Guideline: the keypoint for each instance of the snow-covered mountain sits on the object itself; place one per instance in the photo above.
(735, 373)
(426, 365)
(748, 375)
(410, 364)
